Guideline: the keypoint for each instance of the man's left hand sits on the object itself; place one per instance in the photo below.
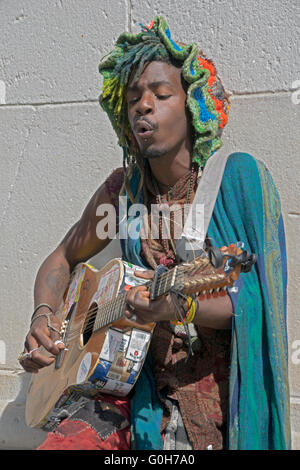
(138, 303)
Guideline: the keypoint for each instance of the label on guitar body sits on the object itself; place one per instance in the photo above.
(120, 361)
(106, 286)
(123, 353)
(115, 341)
(84, 368)
(138, 345)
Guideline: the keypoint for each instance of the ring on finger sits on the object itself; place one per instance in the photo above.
(26, 355)
(22, 356)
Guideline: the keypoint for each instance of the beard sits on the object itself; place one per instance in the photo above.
(151, 153)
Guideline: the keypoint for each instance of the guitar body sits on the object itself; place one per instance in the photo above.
(107, 360)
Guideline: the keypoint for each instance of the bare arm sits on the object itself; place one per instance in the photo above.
(215, 313)
(80, 243)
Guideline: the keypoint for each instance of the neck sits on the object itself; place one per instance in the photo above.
(170, 167)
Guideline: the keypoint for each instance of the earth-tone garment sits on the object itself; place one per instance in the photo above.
(201, 384)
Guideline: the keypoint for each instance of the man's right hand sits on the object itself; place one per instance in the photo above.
(40, 335)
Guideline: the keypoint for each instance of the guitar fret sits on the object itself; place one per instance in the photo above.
(166, 282)
(110, 312)
(161, 286)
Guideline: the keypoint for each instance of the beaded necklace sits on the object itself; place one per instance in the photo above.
(166, 242)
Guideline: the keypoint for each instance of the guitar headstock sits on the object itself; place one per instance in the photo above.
(215, 270)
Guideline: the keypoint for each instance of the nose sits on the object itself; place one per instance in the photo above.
(145, 104)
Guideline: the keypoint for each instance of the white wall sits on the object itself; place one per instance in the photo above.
(57, 146)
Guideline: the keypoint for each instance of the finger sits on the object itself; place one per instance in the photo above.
(131, 294)
(29, 368)
(129, 312)
(39, 360)
(44, 339)
(149, 274)
(33, 364)
(36, 359)
(136, 317)
(31, 361)
(140, 301)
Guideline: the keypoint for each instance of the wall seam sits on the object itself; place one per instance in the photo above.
(92, 101)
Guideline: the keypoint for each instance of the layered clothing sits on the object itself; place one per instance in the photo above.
(247, 209)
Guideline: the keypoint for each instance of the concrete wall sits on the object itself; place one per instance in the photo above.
(57, 146)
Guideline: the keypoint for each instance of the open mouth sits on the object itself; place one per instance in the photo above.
(144, 130)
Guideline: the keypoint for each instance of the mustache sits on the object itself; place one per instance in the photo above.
(138, 121)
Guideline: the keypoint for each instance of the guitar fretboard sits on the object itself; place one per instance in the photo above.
(113, 310)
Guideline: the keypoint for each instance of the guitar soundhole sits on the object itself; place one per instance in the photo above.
(89, 322)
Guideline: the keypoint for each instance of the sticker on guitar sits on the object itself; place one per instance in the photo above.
(106, 286)
(120, 360)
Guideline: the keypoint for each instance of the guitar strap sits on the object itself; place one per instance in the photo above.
(191, 243)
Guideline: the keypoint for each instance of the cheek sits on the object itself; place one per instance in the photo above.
(176, 122)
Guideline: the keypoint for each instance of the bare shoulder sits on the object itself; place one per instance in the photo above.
(82, 241)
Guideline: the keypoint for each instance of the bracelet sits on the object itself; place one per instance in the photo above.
(192, 310)
(47, 315)
(38, 307)
(190, 314)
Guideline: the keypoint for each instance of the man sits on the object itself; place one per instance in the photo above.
(168, 108)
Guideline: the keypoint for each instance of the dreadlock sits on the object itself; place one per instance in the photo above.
(207, 100)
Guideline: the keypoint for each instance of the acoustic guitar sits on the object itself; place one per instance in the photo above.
(105, 351)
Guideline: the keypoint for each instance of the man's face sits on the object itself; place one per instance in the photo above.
(156, 110)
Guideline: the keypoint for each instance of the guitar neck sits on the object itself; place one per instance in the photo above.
(113, 310)
(110, 312)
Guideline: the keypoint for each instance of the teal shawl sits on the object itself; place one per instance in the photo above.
(247, 209)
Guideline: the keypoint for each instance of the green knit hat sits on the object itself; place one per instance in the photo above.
(206, 98)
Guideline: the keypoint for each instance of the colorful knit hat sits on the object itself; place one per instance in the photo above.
(206, 98)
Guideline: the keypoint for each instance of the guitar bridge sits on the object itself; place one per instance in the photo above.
(64, 331)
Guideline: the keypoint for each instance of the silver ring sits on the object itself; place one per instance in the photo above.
(133, 317)
(24, 355)
(30, 352)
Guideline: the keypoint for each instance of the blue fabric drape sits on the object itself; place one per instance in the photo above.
(247, 209)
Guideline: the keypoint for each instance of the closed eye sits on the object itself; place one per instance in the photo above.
(163, 97)
(133, 100)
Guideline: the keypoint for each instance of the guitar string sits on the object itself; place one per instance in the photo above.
(113, 300)
(91, 314)
(105, 308)
(162, 276)
(107, 312)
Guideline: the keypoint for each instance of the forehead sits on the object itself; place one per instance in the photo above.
(157, 72)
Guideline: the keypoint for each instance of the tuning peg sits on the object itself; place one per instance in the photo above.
(215, 257)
